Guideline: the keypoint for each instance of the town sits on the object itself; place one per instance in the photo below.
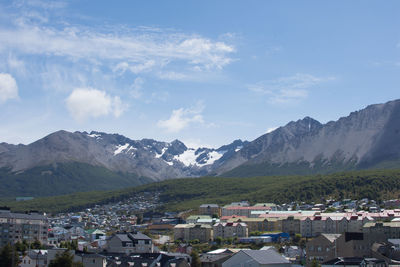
(134, 232)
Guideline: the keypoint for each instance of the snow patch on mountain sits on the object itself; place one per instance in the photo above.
(94, 135)
(162, 153)
(120, 148)
(191, 157)
(212, 157)
(188, 157)
(238, 148)
(169, 163)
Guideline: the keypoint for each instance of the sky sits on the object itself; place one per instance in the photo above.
(204, 72)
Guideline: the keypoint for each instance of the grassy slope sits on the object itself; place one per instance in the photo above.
(64, 178)
(301, 168)
(182, 194)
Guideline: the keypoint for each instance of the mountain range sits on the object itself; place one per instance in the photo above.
(64, 162)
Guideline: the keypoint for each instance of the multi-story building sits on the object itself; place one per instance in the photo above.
(242, 211)
(16, 227)
(230, 230)
(382, 231)
(209, 209)
(291, 225)
(253, 224)
(188, 232)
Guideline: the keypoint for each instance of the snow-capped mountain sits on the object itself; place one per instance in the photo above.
(147, 158)
(369, 138)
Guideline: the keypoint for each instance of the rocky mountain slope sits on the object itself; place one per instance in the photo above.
(145, 158)
(369, 138)
(365, 139)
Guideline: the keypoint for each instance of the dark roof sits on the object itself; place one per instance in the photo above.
(140, 236)
(348, 236)
(344, 261)
(32, 216)
(209, 206)
(214, 257)
(138, 259)
(266, 256)
(123, 237)
(90, 255)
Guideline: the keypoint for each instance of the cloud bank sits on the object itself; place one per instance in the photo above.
(85, 103)
(8, 88)
(182, 118)
(288, 89)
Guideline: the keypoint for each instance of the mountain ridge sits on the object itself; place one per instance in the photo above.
(365, 139)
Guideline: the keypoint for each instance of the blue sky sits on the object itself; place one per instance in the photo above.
(204, 72)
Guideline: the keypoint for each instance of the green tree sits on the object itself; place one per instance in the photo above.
(218, 240)
(315, 263)
(36, 244)
(21, 247)
(296, 239)
(8, 256)
(195, 259)
(65, 259)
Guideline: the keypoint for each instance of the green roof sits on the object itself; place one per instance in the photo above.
(196, 217)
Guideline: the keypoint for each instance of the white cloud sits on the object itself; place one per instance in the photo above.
(172, 75)
(136, 88)
(182, 118)
(84, 103)
(135, 50)
(288, 89)
(16, 64)
(48, 5)
(122, 67)
(8, 87)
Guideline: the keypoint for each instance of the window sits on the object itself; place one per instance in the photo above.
(319, 248)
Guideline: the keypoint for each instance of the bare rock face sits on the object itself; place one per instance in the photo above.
(146, 157)
(364, 139)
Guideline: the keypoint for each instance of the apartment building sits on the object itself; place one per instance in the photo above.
(230, 230)
(209, 209)
(16, 227)
(188, 232)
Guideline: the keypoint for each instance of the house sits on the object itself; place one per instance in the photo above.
(95, 234)
(35, 258)
(329, 246)
(214, 260)
(129, 243)
(256, 258)
(91, 260)
(322, 248)
(293, 252)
